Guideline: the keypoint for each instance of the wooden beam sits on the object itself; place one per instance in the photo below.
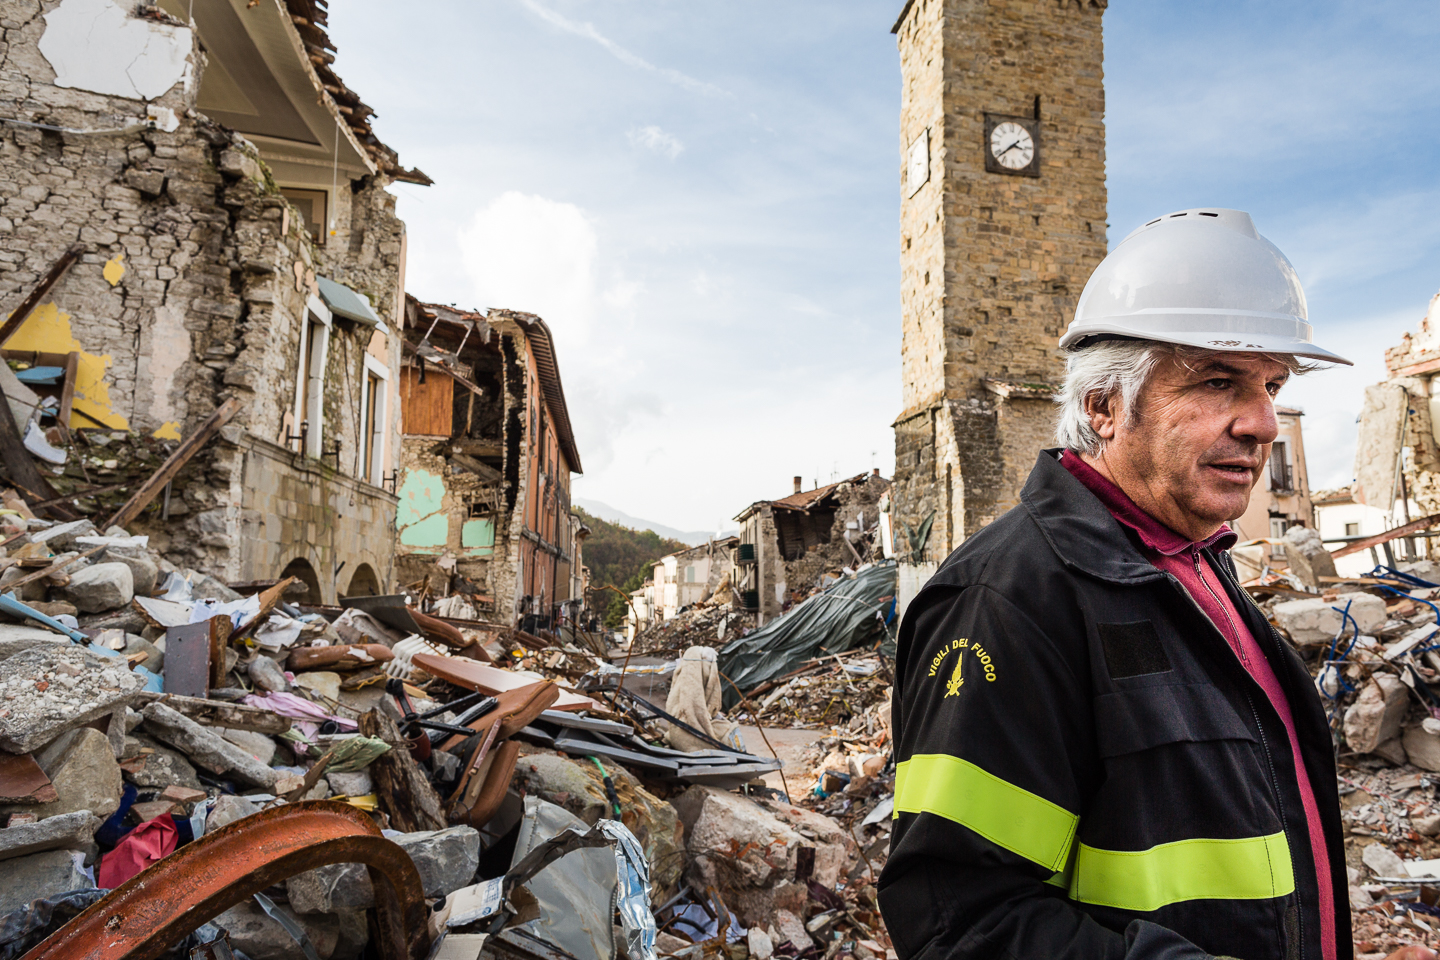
(187, 449)
(1409, 529)
(46, 284)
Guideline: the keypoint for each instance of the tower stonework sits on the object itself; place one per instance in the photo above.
(992, 259)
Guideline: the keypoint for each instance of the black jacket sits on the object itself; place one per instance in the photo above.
(1085, 770)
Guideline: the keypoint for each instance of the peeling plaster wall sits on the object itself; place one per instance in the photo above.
(192, 289)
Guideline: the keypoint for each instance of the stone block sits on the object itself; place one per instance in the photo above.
(227, 810)
(69, 831)
(1376, 714)
(259, 746)
(162, 766)
(151, 183)
(61, 536)
(204, 747)
(1318, 621)
(1308, 558)
(98, 588)
(351, 784)
(1422, 745)
(41, 875)
(447, 860)
(254, 933)
(81, 766)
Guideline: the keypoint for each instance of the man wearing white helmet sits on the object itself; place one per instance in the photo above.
(1104, 750)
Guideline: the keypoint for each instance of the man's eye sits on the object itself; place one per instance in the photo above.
(1218, 383)
(1272, 388)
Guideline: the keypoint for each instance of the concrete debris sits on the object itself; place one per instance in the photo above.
(40, 875)
(205, 747)
(70, 831)
(1318, 620)
(447, 860)
(45, 691)
(1374, 718)
(100, 587)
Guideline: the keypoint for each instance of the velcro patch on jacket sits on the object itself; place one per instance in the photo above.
(1132, 649)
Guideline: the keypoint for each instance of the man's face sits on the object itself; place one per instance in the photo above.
(1193, 449)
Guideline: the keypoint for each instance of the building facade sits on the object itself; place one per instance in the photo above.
(690, 576)
(1002, 220)
(1281, 499)
(227, 195)
(484, 475)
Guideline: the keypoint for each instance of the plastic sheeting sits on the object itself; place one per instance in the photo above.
(851, 613)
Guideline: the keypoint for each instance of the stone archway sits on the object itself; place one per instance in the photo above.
(301, 569)
(363, 583)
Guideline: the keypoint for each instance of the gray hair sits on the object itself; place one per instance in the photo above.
(1121, 368)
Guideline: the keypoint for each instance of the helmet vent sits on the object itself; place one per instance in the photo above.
(1174, 215)
(1155, 221)
(1209, 214)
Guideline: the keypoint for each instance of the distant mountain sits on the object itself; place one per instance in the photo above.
(606, 512)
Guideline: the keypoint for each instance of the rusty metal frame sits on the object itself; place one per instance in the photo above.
(157, 907)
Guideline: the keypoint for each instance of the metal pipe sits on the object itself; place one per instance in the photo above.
(157, 907)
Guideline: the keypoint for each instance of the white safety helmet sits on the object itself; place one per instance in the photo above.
(1201, 278)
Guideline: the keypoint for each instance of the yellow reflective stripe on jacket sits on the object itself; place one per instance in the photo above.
(1004, 814)
(1253, 868)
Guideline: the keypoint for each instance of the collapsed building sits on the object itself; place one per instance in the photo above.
(788, 547)
(193, 215)
(687, 577)
(1397, 452)
(484, 473)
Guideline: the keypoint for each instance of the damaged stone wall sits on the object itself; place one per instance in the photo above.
(852, 500)
(193, 287)
(1398, 422)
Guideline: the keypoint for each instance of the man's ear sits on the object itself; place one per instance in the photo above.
(1104, 414)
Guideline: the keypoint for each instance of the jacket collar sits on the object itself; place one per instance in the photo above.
(1153, 534)
(1079, 528)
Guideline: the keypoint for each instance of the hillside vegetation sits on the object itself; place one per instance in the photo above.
(621, 557)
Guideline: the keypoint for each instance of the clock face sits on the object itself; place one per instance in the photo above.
(1011, 145)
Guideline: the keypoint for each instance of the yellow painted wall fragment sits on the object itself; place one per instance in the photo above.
(47, 330)
(168, 431)
(114, 269)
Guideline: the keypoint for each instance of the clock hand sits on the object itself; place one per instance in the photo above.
(1008, 149)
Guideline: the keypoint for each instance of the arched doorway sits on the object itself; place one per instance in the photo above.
(363, 583)
(300, 568)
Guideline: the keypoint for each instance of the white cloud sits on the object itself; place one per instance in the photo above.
(589, 32)
(537, 255)
(653, 138)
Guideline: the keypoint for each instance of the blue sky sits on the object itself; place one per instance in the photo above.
(702, 201)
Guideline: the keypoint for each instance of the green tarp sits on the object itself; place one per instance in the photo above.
(850, 613)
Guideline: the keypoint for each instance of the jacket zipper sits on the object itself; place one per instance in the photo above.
(1225, 609)
(1269, 765)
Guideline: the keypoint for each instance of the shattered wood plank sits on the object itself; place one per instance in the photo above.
(192, 445)
(1409, 529)
(269, 600)
(404, 793)
(67, 392)
(46, 284)
(20, 466)
(219, 642)
(232, 716)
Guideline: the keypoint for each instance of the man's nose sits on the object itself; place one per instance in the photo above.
(1256, 420)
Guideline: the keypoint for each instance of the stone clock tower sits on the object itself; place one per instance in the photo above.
(1002, 219)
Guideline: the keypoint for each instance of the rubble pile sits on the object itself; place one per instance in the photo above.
(144, 707)
(708, 624)
(840, 690)
(1373, 646)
